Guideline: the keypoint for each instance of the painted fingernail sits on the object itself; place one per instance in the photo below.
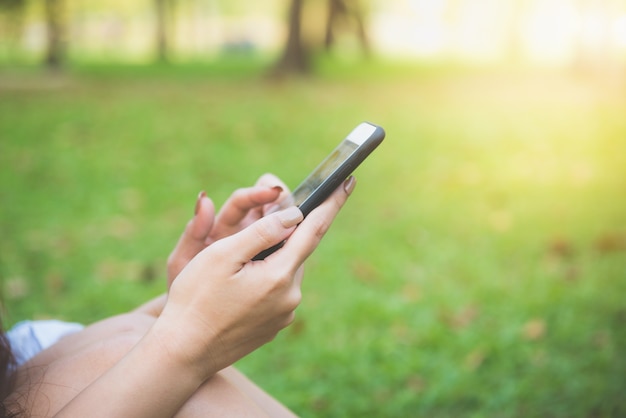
(278, 188)
(349, 184)
(291, 216)
(201, 195)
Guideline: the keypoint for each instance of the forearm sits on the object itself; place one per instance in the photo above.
(148, 382)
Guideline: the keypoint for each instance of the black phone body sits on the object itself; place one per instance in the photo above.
(332, 171)
(336, 167)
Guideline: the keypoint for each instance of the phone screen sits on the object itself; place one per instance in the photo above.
(323, 171)
(333, 170)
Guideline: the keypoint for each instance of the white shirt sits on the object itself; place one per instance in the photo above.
(28, 338)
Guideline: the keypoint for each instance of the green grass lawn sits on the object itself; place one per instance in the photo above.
(479, 269)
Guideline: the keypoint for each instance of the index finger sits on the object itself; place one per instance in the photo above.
(260, 235)
(242, 201)
(310, 232)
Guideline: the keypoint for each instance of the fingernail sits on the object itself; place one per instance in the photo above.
(349, 184)
(278, 188)
(201, 195)
(291, 216)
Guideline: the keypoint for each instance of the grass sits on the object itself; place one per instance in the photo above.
(478, 270)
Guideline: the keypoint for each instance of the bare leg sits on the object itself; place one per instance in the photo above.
(262, 398)
(55, 376)
(230, 393)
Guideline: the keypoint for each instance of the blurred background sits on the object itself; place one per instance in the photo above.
(546, 33)
(480, 266)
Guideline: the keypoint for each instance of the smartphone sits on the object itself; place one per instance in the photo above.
(332, 171)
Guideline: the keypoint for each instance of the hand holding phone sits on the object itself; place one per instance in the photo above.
(332, 171)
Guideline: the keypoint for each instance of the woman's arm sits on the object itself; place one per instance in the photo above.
(221, 307)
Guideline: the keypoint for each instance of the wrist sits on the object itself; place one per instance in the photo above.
(178, 347)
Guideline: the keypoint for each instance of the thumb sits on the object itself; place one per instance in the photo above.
(262, 234)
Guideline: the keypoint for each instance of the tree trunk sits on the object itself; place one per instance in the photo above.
(55, 53)
(161, 30)
(295, 58)
(335, 9)
(340, 13)
(11, 25)
(361, 31)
